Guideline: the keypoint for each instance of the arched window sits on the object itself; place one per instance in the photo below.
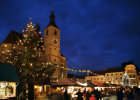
(47, 32)
(55, 32)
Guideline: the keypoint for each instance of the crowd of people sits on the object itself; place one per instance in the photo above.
(120, 93)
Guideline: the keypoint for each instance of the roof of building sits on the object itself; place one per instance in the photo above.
(115, 69)
(100, 72)
(12, 37)
(108, 70)
(8, 73)
(62, 55)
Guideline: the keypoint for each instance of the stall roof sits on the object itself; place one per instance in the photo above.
(8, 73)
(65, 82)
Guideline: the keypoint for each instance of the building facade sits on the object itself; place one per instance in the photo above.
(116, 75)
(51, 39)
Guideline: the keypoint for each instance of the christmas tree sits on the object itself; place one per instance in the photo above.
(28, 57)
(125, 80)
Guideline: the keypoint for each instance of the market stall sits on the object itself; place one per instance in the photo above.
(8, 81)
(71, 85)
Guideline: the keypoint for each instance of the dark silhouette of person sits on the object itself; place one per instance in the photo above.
(88, 95)
(79, 95)
(120, 94)
(66, 96)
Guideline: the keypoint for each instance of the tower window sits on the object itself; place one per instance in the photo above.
(47, 32)
(55, 33)
(61, 60)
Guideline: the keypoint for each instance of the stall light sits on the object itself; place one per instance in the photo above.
(5, 45)
(83, 84)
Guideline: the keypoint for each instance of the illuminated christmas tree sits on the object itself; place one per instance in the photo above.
(28, 57)
(125, 80)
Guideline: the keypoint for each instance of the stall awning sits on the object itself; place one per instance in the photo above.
(65, 82)
(8, 73)
(97, 83)
(100, 84)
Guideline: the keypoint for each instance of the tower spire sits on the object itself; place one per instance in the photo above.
(52, 19)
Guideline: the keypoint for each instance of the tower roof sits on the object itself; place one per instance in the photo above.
(52, 20)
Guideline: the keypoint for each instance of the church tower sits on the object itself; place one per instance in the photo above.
(52, 47)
